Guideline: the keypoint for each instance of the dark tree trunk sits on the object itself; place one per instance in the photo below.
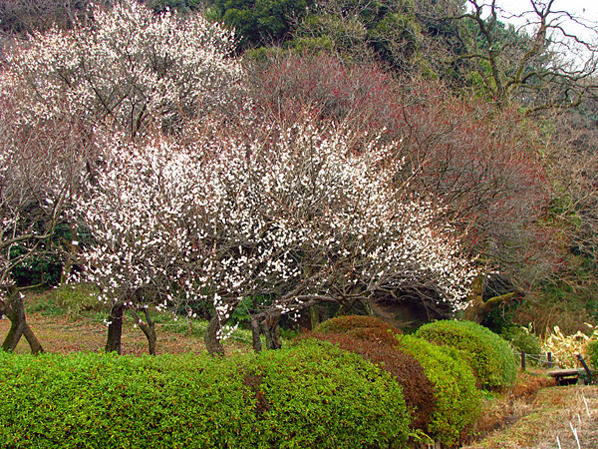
(255, 334)
(271, 328)
(213, 345)
(15, 311)
(34, 344)
(115, 328)
(345, 307)
(149, 329)
(367, 306)
(314, 316)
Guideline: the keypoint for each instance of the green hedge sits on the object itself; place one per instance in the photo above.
(374, 340)
(311, 395)
(489, 355)
(457, 398)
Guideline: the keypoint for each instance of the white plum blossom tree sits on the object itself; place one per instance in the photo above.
(299, 214)
(126, 68)
(122, 70)
(139, 209)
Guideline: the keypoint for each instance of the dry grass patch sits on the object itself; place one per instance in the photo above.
(556, 416)
(501, 411)
(63, 328)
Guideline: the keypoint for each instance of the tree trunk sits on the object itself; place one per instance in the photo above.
(478, 309)
(149, 329)
(15, 311)
(367, 306)
(271, 328)
(34, 344)
(255, 334)
(345, 308)
(213, 345)
(314, 316)
(115, 328)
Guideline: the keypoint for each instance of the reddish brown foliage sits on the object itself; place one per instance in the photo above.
(417, 389)
(261, 403)
(372, 339)
(347, 323)
(478, 162)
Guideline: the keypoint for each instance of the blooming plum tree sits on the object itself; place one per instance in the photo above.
(127, 69)
(123, 70)
(289, 212)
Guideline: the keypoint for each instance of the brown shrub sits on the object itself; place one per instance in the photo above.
(352, 323)
(373, 344)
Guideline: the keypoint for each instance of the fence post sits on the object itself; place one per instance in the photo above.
(549, 359)
(585, 366)
(523, 360)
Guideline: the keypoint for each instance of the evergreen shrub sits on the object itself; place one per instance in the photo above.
(592, 351)
(458, 401)
(317, 395)
(489, 355)
(310, 395)
(521, 339)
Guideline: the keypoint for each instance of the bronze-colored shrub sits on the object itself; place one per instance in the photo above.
(343, 324)
(418, 391)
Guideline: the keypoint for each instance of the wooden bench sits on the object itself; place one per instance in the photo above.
(565, 376)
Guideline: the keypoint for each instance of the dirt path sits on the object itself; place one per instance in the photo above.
(557, 415)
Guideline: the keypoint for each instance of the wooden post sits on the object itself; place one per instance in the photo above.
(549, 355)
(585, 366)
(523, 360)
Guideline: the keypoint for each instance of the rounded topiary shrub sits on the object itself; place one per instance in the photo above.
(312, 396)
(489, 355)
(418, 391)
(317, 395)
(457, 398)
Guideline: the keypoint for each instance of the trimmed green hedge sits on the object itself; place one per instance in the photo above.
(458, 401)
(374, 340)
(312, 395)
(489, 355)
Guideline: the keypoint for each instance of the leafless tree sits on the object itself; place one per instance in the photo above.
(536, 59)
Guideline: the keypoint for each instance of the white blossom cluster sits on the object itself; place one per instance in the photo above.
(128, 69)
(291, 212)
